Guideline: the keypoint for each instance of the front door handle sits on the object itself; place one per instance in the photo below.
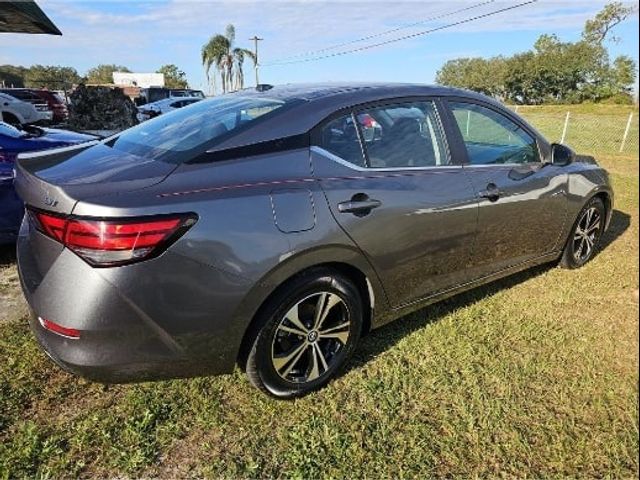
(492, 193)
(360, 205)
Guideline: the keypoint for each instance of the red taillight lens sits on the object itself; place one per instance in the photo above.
(52, 226)
(114, 241)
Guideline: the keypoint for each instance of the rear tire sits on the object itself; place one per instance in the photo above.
(585, 235)
(309, 331)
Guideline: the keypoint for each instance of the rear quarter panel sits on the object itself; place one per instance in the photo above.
(236, 235)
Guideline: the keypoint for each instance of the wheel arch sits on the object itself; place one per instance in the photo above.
(369, 288)
(606, 196)
(7, 116)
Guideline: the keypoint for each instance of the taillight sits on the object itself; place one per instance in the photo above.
(7, 157)
(52, 226)
(106, 243)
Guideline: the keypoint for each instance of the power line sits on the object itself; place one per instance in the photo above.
(387, 32)
(405, 37)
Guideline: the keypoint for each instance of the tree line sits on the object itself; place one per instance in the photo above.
(54, 77)
(554, 71)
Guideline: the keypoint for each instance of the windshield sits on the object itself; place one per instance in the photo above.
(183, 134)
(10, 131)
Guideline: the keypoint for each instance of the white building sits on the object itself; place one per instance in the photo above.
(142, 80)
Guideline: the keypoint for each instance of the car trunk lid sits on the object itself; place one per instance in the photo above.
(57, 179)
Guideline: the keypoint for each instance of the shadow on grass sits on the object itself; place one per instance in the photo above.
(7, 254)
(620, 221)
(385, 337)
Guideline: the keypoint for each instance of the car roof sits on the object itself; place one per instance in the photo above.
(361, 91)
(171, 100)
(312, 103)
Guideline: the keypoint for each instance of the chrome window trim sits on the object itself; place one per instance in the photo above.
(499, 165)
(327, 154)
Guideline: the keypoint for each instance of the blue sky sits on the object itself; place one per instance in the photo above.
(144, 35)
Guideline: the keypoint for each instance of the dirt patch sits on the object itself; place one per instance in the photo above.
(12, 304)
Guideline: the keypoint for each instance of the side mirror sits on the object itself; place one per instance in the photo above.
(561, 155)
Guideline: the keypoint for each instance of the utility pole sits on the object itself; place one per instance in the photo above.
(256, 39)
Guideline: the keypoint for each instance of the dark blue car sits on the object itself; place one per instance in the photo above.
(12, 142)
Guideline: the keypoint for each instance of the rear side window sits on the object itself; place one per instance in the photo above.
(341, 138)
(406, 135)
(182, 134)
(492, 138)
(25, 96)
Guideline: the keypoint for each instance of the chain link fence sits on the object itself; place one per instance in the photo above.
(613, 131)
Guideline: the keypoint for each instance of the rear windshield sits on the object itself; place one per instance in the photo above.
(183, 134)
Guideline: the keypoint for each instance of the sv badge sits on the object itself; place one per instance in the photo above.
(50, 202)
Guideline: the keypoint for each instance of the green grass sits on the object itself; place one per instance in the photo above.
(533, 376)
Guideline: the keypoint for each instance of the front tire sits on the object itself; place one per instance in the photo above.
(310, 330)
(585, 236)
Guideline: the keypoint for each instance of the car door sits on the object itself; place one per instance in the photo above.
(522, 201)
(397, 189)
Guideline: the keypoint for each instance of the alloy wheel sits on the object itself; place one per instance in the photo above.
(586, 234)
(310, 337)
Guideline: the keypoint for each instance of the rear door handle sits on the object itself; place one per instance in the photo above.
(492, 193)
(359, 205)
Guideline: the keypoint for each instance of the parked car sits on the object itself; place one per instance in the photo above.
(151, 110)
(19, 112)
(56, 104)
(153, 94)
(12, 142)
(264, 228)
(45, 99)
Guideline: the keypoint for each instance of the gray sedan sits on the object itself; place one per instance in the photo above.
(272, 228)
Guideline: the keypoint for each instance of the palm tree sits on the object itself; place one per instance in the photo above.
(228, 60)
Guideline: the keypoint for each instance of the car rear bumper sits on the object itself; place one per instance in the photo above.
(146, 321)
(114, 358)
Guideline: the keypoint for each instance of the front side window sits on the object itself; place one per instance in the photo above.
(492, 138)
(397, 136)
(183, 133)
